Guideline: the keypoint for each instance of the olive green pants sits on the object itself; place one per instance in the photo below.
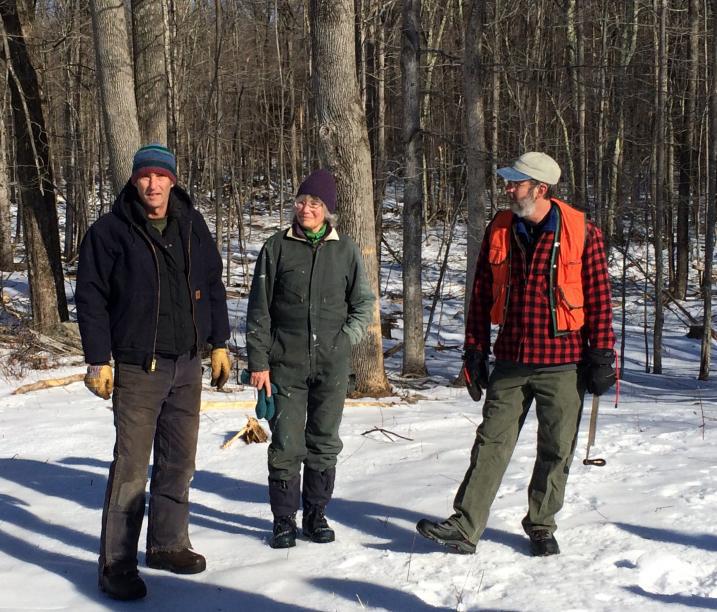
(511, 390)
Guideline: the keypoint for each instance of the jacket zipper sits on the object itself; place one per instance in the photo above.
(148, 240)
(189, 284)
(315, 251)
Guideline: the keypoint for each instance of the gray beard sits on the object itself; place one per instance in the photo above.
(523, 208)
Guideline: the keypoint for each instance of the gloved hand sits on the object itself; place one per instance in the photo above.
(475, 371)
(599, 373)
(99, 380)
(264, 405)
(221, 367)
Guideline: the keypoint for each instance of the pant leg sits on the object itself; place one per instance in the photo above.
(559, 408)
(137, 400)
(508, 398)
(175, 447)
(327, 394)
(287, 449)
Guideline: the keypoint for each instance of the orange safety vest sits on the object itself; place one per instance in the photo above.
(566, 291)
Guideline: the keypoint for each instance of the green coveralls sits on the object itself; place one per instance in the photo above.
(308, 304)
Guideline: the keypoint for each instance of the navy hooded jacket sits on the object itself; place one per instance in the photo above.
(117, 292)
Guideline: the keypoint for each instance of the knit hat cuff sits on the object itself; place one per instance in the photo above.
(146, 170)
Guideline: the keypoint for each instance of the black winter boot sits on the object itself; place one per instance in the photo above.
(284, 534)
(447, 534)
(315, 526)
(123, 584)
(543, 543)
(318, 488)
(184, 561)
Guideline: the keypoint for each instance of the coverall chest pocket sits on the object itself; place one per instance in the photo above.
(292, 286)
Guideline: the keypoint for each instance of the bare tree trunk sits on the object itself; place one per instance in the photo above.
(687, 156)
(474, 84)
(575, 63)
(150, 71)
(379, 131)
(116, 80)
(706, 352)
(6, 242)
(170, 35)
(660, 169)
(495, 109)
(39, 216)
(218, 170)
(344, 149)
(414, 359)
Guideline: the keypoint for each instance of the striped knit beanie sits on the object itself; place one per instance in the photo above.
(154, 158)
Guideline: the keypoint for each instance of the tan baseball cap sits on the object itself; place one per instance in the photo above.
(532, 165)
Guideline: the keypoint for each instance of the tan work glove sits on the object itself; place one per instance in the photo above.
(99, 380)
(221, 366)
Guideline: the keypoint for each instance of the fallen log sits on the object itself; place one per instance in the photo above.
(208, 405)
(49, 383)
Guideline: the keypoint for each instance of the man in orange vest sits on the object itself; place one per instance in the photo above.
(542, 278)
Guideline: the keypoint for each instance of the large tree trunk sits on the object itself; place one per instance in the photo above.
(34, 174)
(706, 353)
(414, 359)
(687, 156)
(344, 150)
(116, 80)
(474, 86)
(150, 82)
(660, 170)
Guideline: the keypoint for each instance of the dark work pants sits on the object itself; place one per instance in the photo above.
(305, 429)
(157, 409)
(511, 390)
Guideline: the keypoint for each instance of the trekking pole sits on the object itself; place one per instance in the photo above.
(591, 435)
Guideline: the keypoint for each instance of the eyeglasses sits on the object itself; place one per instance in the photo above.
(516, 184)
(310, 204)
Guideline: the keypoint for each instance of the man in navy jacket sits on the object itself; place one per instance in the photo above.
(149, 293)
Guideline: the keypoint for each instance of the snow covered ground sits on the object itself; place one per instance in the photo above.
(637, 534)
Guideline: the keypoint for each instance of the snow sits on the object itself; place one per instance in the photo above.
(637, 534)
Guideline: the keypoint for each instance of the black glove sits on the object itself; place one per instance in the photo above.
(475, 371)
(599, 373)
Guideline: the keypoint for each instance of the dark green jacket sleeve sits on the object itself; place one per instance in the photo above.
(258, 319)
(360, 301)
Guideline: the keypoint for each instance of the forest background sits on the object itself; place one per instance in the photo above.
(426, 98)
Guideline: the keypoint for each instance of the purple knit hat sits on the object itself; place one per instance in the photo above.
(320, 184)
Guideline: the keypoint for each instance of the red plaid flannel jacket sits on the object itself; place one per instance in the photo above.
(526, 336)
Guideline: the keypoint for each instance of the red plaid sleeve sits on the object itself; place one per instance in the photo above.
(478, 320)
(597, 329)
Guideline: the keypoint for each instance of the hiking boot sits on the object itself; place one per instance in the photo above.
(124, 584)
(446, 534)
(315, 526)
(178, 562)
(284, 534)
(543, 543)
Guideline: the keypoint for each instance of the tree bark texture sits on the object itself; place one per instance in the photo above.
(706, 352)
(150, 70)
(414, 360)
(660, 172)
(116, 80)
(344, 150)
(6, 242)
(474, 85)
(36, 183)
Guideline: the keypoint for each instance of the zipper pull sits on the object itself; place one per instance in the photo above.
(153, 367)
